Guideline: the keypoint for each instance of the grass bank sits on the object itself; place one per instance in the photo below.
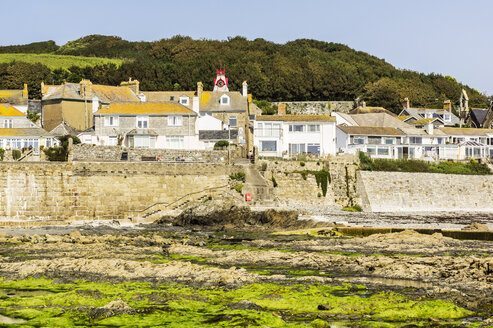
(58, 61)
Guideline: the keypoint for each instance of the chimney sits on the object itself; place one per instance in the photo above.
(95, 104)
(85, 88)
(25, 92)
(447, 105)
(132, 85)
(200, 89)
(429, 128)
(43, 92)
(405, 103)
(245, 89)
(196, 105)
(281, 109)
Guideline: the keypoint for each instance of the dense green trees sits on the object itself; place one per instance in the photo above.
(298, 70)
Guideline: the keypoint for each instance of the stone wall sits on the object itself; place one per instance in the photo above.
(81, 191)
(415, 192)
(317, 107)
(93, 153)
(293, 188)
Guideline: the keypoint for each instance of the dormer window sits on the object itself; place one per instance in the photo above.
(225, 100)
(447, 117)
(184, 101)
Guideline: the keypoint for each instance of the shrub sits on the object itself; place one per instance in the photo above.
(57, 154)
(354, 208)
(302, 163)
(16, 154)
(238, 188)
(274, 182)
(221, 144)
(238, 176)
(2, 154)
(264, 166)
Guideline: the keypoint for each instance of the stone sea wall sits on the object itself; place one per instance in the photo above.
(416, 192)
(80, 191)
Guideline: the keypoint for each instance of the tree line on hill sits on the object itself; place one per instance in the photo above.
(299, 70)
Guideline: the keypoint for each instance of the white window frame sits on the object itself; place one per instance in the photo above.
(185, 101)
(175, 142)
(8, 124)
(234, 117)
(110, 120)
(112, 140)
(225, 100)
(313, 128)
(175, 120)
(144, 120)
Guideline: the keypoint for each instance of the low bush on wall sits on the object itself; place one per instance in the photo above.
(413, 165)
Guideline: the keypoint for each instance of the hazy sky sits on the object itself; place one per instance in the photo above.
(450, 37)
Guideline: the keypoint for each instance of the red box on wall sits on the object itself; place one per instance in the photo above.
(248, 197)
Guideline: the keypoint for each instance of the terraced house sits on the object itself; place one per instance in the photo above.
(17, 132)
(144, 125)
(76, 103)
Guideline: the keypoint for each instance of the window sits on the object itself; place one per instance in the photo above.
(415, 140)
(270, 145)
(139, 141)
(313, 148)
(314, 128)
(113, 141)
(297, 148)
(440, 141)
(374, 140)
(383, 151)
(48, 142)
(371, 150)
(358, 140)
(111, 121)
(232, 121)
(174, 142)
(184, 101)
(175, 120)
(142, 122)
(7, 124)
(171, 98)
(447, 117)
(389, 141)
(224, 100)
(296, 128)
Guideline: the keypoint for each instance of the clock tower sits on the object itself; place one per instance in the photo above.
(221, 81)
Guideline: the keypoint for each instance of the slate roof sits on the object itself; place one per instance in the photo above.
(9, 110)
(27, 132)
(370, 109)
(105, 93)
(426, 120)
(478, 115)
(466, 131)
(370, 130)
(217, 134)
(151, 108)
(64, 129)
(379, 119)
(13, 96)
(297, 118)
(416, 111)
(166, 95)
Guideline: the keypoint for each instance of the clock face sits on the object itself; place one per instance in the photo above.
(220, 83)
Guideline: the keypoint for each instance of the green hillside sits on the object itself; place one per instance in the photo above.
(57, 61)
(295, 71)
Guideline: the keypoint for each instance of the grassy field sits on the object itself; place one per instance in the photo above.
(58, 61)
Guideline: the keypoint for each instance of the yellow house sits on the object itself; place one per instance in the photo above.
(76, 103)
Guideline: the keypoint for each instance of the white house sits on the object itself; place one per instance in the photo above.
(288, 135)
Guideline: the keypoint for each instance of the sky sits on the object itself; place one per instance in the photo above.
(448, 37)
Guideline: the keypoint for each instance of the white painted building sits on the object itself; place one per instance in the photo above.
(288, 135)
